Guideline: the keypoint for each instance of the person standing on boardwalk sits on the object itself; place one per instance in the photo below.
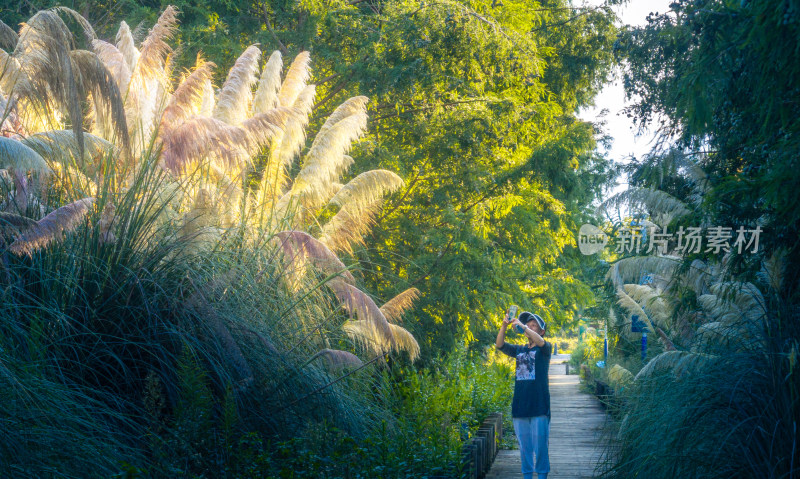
(530, 408)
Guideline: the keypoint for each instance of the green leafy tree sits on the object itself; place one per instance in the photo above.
(721, 78)
(473, 103)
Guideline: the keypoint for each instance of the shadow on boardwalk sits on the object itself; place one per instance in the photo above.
(575, 428)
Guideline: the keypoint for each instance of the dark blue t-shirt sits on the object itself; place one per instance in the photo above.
(531, 388)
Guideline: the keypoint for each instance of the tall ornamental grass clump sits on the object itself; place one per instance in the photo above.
(725, 417)
(718, 394)
(169, 289)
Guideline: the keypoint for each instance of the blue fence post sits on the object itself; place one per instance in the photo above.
(644, 345)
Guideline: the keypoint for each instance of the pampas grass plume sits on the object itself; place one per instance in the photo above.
(266, 96)
(296, 78)
(236, 94)
(337, 359)
(52, 227)
(20, 157)
(395, 307)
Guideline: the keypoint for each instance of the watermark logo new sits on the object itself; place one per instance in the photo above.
(591, 239)
(686, 241)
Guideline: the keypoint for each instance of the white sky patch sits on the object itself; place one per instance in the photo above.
(610, 102)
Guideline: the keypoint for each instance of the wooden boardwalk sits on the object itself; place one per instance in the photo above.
(576, 423)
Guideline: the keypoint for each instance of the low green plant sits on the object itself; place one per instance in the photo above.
(433, 412)
(446, 402)
(588, 351)
(566, 344)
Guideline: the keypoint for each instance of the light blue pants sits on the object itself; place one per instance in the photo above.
(533, 434)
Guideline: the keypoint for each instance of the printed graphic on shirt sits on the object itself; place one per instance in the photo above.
(526, 365)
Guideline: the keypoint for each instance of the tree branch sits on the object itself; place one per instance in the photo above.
(428, 107)
(435, 263)
(281, 46)
(334, 91)
(402, 198)
(328, 78)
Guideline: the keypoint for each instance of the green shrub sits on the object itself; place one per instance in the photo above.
(588, 351)
(566, 344)
(433, 412)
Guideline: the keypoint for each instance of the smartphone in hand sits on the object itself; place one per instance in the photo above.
(512, 312)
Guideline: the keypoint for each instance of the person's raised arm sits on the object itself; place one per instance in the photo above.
(531, 334)
(501, 335)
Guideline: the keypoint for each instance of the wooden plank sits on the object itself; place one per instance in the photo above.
(576, 425)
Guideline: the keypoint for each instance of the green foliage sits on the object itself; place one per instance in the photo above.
(588, 351)
(473, 104)
(566, 344)
(218, 30)
(51, 429)
(459, 391)
(433, 411)
(721, 77)
(496, 166)
(204, 351)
